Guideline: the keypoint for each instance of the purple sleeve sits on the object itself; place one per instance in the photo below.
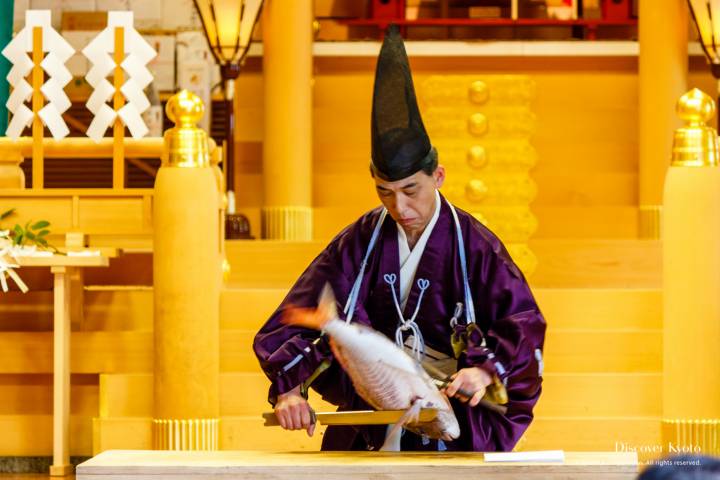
(509, 346)
(289, 355)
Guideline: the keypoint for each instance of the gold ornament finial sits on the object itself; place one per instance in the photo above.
(186, 145)
(695, 108)
(695, 144)
(185, 108)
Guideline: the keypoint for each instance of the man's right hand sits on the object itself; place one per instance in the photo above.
(294, 412)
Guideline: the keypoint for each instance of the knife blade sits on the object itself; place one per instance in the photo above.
(359, 417)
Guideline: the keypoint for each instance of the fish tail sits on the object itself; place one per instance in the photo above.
(315, 318)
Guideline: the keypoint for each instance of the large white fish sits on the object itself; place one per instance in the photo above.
(384, 375)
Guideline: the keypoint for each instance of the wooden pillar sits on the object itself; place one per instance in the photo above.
(663, 66)
(287, 148)
(691, 270)
(38, 78)
(118, 102)
(61, 371)
(187, 276)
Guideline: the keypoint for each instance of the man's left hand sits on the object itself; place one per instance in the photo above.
(472, 379)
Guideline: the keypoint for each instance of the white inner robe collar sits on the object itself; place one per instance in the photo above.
(409, 260)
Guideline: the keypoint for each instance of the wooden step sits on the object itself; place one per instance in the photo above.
(564, 395)
(118, 308)
(110, 352)
(126, 395)
(122, 433)
(90, 352)
(22, 394)
(112, 308)
(596, 433)
(577, 188)
(131, 395)
(555, 220)
(582, 350)
(134, 268)
(600, 394)
(350, 195)
(602, 308)
(32, 311)
(248, 308)
(125, 398)
(618, 222)
(597, 264)
(236, 433)
(562, 263)
(268, 263)
(566, 351)
(545, 433)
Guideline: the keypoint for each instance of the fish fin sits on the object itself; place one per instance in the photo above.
(315, 318)
(393, 435)
(327, 301)
(392, 439)
(302, 317)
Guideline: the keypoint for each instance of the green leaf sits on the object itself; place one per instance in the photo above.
(4, 215)
(18, 234)
(32, 233)
(41, 224)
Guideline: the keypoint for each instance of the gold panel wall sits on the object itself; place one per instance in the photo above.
(482, 127)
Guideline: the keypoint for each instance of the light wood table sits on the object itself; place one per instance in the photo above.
(67, 311)
(174, 465)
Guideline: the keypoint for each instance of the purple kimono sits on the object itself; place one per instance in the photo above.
(505, 311)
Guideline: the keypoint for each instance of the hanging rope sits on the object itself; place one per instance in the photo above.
(417, 345)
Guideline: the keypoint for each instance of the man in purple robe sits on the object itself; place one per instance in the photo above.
(405, 270)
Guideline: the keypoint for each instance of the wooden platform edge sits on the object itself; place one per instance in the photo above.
(415, 465)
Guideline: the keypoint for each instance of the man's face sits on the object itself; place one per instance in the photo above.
(411, 200)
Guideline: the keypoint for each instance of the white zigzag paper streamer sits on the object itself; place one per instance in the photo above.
(58, 52)
(138, 53)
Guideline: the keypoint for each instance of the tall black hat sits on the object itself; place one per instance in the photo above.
(400, 145)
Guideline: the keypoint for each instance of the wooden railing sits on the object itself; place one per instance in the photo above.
(118, 217)
(79, 148)
(150, 147)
